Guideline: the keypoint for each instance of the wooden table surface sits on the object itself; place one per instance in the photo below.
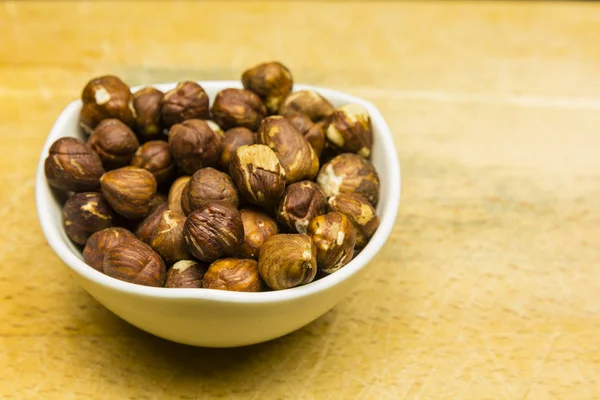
(489, 285)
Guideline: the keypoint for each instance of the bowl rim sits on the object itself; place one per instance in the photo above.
(387, 214)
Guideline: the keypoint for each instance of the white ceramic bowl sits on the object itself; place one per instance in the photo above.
(215, 318)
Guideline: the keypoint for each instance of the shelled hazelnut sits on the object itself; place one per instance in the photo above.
(167, 238)
(186, 274)
(271, 81)
(105, 97)
(309, 103)
(360, 212)
(135, 262)
(350, 130)
(313, 132)
(85, 213)
(350, 173)
(148, 225)
(208, 186)
(258, 227)
(334, 238)
(100, 242)
(148, 124)
(287, 260)
(238, 107)
(233, 274)
(114, 142)
(232, 140)
(155, 157)
(194, 145)
(301, 202)
(187, 101)
(176, 193)
(129, 191)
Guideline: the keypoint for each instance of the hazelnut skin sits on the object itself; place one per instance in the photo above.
(287, 260)
(167, 238)
(155, 157)
(307, 102)
(187, 101)
(129, 191)
(232, 139)
(258, 175)
(313, 132)
(213, 231)
(100, 242)
(350, 173)
(295, 154)
(258, 227)
(148, 225)
(208, 186)
(238, 107)
(114, 143)
(135, 262)
(194, 145)
(350, 130)
(73, 166)
(334, 238)
(85, 213)
(147, 103)
(105, 97)
(233, 274)
(301, 202)
(360, 212)
(271, 81)
(176, 193)
(186, 274)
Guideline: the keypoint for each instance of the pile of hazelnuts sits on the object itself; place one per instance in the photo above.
(266, 189)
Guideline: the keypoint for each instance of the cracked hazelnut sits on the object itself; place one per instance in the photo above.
(73, 166)
(233, 274)
(148, 124)
(301, 202)
(258, 227)
(295, 154)
(271, 81)
(287, 260)
(350, 130)
(232, 139)
(129, 191)
(313, 132)
(334, 238)
(100, 242)
(85, 213)
(105, 97)
(155, 157)
(238, 107)
(214, 231)
(208, 186)
(307, 102)
(114, 143)
(194, 145)
(350, 173)
(258, 175)
(187, 101)
(135, 262)
(176, 192)
(360, 212)
(147, 226)
(186, 274)
(167, 238)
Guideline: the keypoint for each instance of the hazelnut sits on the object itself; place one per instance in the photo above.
(146, 228)
(114, 143)
(232, 139)
(148, 124)
(185, 274)
(233, 274)
(167, 238)
(85, 213)
(238, 107)
(194, 145)
(271, 81)
(98, 244)
(176, 192)
(73, 166)
(105, 97)
(215, 127)
(135, 262)
(155, 157)
(258, 227)
(313, 132)
(295, 154)
(300, 203)
(360, 212)
(157, 200)
(350, 173)
(129, 191)
(334, 238)
(307, 102)
(350, 130)
(258, 175)
(208, 186)
(213, 231)
(187, 101)
(287, 260)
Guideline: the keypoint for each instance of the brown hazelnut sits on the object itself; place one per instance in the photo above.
(287, 260)
(147, 102)
(73, 166)
(334, 238)
(187, 101)
(167, 238)
(258, 175)
(232, 139)
(214, 231)
(176, 192)
(157, 200)
(85, 213)
(208, 186)
(129, 190)
(215, 127)
(114, 143)
(135, 262)
(350, 173)
(360, 212)
(98, 244)
(233, 274)
(148, 225)
(295, 154)
(186, 274)
(238, 107)
(155, 157)
(350, 130)
(313, 132)
(194, 145)
(300, 203)
(307, 102)
(271, 81)
(105, 97)
(258, 227)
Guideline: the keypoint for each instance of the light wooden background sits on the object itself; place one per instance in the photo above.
(489, 286)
